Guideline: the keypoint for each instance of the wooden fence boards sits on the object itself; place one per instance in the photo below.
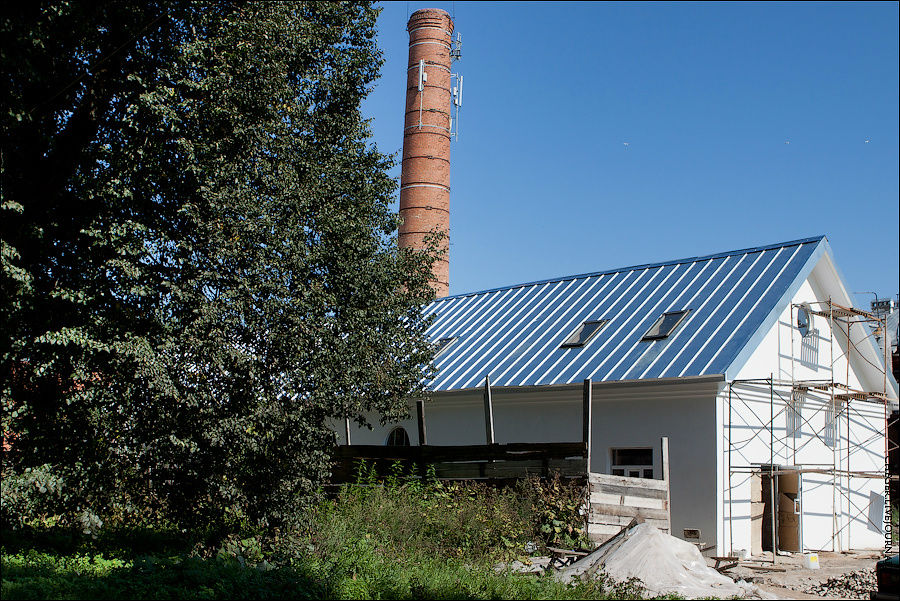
(612, 507)
(624, 520)
(607, 481)
(599, 510)
(501, 461)
(630, 500)
(614, 501)
(600, 533)
(603, 532)
(494, 452)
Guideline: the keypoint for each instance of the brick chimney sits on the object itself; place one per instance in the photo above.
(425, 174)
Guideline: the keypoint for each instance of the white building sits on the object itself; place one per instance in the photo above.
(707, 351)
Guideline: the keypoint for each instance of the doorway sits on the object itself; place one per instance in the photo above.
(787, 528)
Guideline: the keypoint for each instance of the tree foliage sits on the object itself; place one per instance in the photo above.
(198, 261)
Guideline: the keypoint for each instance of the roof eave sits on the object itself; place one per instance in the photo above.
(605, 385)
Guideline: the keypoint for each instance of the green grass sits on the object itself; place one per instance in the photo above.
(41, 575)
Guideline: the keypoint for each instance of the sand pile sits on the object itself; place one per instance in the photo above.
(664, 564)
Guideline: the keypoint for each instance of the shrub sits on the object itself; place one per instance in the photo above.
(451, 519)
(34, 495)
(557, 511)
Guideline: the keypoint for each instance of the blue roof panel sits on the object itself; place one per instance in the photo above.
(514, 334)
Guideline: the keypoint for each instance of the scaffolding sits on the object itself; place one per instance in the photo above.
(785, 400)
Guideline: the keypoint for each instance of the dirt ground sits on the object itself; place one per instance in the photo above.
(787, 578)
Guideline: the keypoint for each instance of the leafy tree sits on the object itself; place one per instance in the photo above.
(198, 261)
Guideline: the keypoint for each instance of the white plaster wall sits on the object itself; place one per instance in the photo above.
(829, 504)
(458, 419)
(375, 434)
(865, 506)
(811, 356)
(630, 415)
(685, 414)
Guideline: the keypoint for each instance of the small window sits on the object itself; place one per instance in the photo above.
(794, 415)
(397, 438)
(665, 325)
(443, 344)
(830, 425)
(583, 333)
(633, 463)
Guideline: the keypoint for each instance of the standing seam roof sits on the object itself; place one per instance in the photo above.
(514, 334)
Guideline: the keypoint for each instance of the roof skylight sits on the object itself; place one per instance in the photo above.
(665, 325)
(583, 333)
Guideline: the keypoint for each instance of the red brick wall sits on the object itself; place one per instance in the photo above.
(425, 176)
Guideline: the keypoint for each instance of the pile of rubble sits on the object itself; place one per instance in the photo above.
(855, 585)
(663, 564)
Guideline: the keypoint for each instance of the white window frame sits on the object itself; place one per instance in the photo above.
(794, 415)
(830, 433)
(631, 470)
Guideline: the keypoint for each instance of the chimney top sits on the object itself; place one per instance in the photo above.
(435, 15)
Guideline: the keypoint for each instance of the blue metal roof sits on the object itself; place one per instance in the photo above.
(514, 334)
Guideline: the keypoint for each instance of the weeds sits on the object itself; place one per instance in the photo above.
(462, 519)
(393, 537)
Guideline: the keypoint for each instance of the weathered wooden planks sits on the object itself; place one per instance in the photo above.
(345, 471)
(630, 491)
(624, 520)
(516, 460)
(599, 510)
(496, 452)
(510, 469)
(606, 480)
(603, 532)
(600, 533)
(615, 501)
(608, 513)
(630, 500)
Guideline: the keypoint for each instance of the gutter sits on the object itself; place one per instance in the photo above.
(578, 386)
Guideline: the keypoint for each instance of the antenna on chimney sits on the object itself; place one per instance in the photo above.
(457, 103)
(423, 77)
(456, 47)
(456, 91)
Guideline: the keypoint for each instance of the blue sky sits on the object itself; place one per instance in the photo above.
(746, 124)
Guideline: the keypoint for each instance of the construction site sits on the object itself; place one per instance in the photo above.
(736, 401)
(821, 442)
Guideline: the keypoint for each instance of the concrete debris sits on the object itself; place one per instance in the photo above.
(855, 585)
(791, 578)
(663, 564)
(535, 565)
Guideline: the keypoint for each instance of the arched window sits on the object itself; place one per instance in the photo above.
(397, 438)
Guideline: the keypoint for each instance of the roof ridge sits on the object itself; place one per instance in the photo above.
(729, 253)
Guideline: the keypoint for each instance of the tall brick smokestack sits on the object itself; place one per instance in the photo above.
(425, 174)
